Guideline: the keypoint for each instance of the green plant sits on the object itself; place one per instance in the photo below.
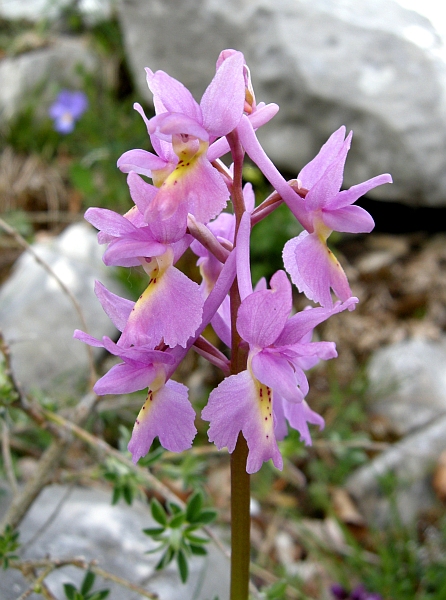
(8, 545)
(85, 593)
(177, 529)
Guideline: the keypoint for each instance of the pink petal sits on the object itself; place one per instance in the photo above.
(199, 185)
(280, 424)
(171, 229)
(168, 124)
(125, 378)
(277, 373)
(263, 314)
(175, 97)
(314, 269)
(300, 326)
(141, 161)
(170, 309)
(109, 222)
(87, 339)
(351, 219)
(314, 170)
(236, 405)
(168, 415)
(117, 309)
(223, 101)
(330, 182)
(263, 114)
(142, 193)
(347, 197)
(299, 415)
(120, 250)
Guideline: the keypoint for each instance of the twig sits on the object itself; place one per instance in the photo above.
(362, 444)
(48, 462)
(144, 474)
(28, 566)
(24, 244)
(7, 460)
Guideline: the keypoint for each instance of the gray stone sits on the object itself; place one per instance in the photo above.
(408, 383)
(373, 66)
(38, 319)
(85, 524)
(411, 461)
(55, 65)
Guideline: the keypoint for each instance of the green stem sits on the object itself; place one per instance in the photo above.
(240, 480)
(240, 522)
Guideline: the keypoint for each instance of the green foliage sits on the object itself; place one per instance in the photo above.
(8, 545)
(276, 591)
(176, 534)
(8, 393)
(126, 484)
(85, 593)
(403, 568)
(188, 468)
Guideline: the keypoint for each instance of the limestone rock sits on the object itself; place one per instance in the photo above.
(412, 462)
(373, 66)
(38, 319)
(408, 383)
(86, 524)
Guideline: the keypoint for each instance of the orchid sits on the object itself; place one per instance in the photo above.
(274, 385)
(313, 267)
(317, 202)
(167, 412)
(264, 388)
(170, 309)
(182, 171)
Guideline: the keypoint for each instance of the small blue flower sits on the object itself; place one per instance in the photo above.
(67, 109)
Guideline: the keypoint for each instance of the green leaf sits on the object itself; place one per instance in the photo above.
(154, 531)
(99, 595)
(116, 495)
(165, 559)
(198, 550)
(158, 512)
(182, 566)
(276, 591)
(194, 506)
(70, 591)
(195, 539)
(87, 583)
(174, 509)
(177, 520)
(127, 492)
(206, 516)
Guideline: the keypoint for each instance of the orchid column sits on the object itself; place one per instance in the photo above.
(264, 386)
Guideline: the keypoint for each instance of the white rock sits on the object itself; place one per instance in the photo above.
(411, 461)
(87, 525)
(408, 383)
(38, 319)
